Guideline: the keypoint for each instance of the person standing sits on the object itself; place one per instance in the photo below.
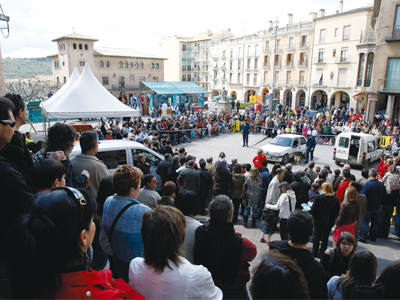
(237, 106)
(225, 253)
(310, 147)
(163, 167)
(238, 180)
(205, 185)
(245, 128)
(253, 195)
(147, 194)
(189, 179)
(375, 191)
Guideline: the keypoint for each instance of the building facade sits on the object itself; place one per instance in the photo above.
(335, 58)
(116, 69)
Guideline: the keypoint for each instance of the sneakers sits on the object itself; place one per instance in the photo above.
(263, 240)
(268, 243)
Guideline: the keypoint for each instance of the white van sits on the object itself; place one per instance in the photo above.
(356, 149)
(115, 153)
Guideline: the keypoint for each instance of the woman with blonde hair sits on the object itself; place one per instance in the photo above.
(348, 215)
(252, 196)
(324, 210)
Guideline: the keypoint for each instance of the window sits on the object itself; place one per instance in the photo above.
(189, 68)
(141, 65)
(248, 64)
(239, 64)
(136, 65)
(303, 41)
(132, 78)
(184, 57)
(56, 65)
(247, 79)
(131, 65)
(230, 65)
(336, 32)
(65, 79)
(58, 80)
(256, 49)
(291, 43)
(346, 33)
(303, 140)
(370, 64)
(371, 146)
(112, 159)
(302, 57)
(63, 63)
(231, 56)
(239, 79)
(80, 46)
(108, 64)
(73, 46)
(343, 55)
(230, 77)
(248, 50)
(183, 77)
(152, 65)
(256, 63)
(342, 77)
(141, 79)
(121, 81)
(157, 66)
(184, 68)
(105, 80)
(86, 47)
(334, 53)
(189, 77)
(120, 65)
(266, 61)
(82, 63)
(322, 36)
(155, 78)
(126, 64)
(101, 64)
(183, 47)
(321, 55)
(255, 80)
(189, 57)
(266, 45)
(344, 142)
(215, 74)
(277, 60)
(361, 67)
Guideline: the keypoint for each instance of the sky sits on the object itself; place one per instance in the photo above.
(140, 25)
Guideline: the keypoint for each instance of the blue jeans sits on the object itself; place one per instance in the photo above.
(373, 217)
(254, 211)
(245, 139)
(397, 222)
(308, 153)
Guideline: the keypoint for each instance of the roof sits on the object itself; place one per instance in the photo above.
(345, 12)
(52, 55)
(75, 36)
(169, 88)
(119, 52)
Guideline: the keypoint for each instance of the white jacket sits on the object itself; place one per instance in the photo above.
(283, 204)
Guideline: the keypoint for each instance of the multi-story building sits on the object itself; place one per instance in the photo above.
(189, 57)
(116, 69)
(379, 64)
(335, 57)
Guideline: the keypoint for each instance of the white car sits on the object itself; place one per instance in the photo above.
(283, 147)
(115, 153)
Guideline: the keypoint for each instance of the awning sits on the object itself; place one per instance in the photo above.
(170, 88)
(355, 97)
(318, 74)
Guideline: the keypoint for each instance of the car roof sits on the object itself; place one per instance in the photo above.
(348, 134)
(291, 135)
(111, 144)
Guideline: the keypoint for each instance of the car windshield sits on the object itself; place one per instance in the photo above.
(282, 141)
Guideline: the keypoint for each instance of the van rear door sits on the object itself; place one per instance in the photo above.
(342, 150)
(361, 150)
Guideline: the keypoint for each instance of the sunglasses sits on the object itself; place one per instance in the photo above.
(9, 122)
(78, 196)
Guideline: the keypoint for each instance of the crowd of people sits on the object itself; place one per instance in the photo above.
(65, 220)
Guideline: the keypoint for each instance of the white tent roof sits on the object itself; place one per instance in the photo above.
(87, 98)
(64, 89)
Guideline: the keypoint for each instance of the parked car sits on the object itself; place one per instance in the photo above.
(283, 147)
(115, 153)
(356, 149)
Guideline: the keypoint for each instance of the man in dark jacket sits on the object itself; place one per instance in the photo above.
(288, 174)
(162, 168)
(301, 188)
(310, 147)
(189, 179)
(205, 185)
(300, 229)
(375, 191)
(223, 252)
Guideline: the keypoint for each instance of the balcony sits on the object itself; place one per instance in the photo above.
(368, 36)
(303, 45)
(301, 83)
(389, 86)
(289, 63)
(266, 50)
(129, 86)
(195, 69)
(277, 64)
(319, 60)
(290, 47)
(204, 69)
(344, 84)
(196, 49)
(342, 59)
(319, 83)
(392, 34)
(266, 65)
(302, 63)
(287, 82)
(278, 47)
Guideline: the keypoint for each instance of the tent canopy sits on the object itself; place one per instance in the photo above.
(170, 88)
(86, 98)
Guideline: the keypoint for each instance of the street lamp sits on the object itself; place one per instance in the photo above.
(273, 75)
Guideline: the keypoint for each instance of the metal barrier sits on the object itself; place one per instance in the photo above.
(236, 126)
(384, 141)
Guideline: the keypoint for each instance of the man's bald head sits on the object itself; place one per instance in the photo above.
(209, 159)
(346, 167)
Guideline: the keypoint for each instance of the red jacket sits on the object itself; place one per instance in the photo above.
(342, 188)
(94, 285)
(258, 161)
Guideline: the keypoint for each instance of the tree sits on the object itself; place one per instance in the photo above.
(31, 88)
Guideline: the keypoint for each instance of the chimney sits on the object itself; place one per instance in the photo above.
(341, 6)
(322, 12)
(290, 19)
(312, 16)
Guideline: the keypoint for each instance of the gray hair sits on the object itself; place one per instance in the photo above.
(289, 166)
(221, 208)
(373, 173)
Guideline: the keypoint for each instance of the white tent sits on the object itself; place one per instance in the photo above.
(64, 89)
(87, 98)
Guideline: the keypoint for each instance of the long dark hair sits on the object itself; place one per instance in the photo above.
(387, 283)
(45, 243)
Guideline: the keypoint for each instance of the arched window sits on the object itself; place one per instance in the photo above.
(136, 65)
(120, 65)
(86, 47)
(141, 65)
(157, 66)
(101, 64)
(107, 64)
(74, 46)
(131, 65)
(152, 65)
(126, 64)
(80, 46)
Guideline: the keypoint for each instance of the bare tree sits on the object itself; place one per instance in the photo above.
(31, 88)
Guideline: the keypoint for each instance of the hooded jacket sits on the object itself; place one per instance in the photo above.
(283, 204)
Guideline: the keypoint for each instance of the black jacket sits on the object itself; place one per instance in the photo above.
(162, 170)
(312, 269)
(205, 181)
(301, 189)
(325, 209)
(288, 176)
(144, 167)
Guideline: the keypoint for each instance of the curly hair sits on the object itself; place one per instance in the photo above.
(61, 137)
(124, 178)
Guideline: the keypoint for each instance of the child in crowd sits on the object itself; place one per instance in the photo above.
(48, 174)
(313, 192)
(109, 135)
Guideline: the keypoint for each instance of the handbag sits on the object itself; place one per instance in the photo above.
(270, 216)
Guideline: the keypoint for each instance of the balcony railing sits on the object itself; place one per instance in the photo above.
(290, 47)
(266, 49)
(342, 59)
(277, 64)
(344, 84)
(289, 63)
(303, 45)
(318, 60)
(319, 83)
(302, 63)
(189, 68)
(287, 82)
(129, 86)
(392, 33)
(368, 36)
(279, 48)
(266, 65)
(389, 85)
(300, 82)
